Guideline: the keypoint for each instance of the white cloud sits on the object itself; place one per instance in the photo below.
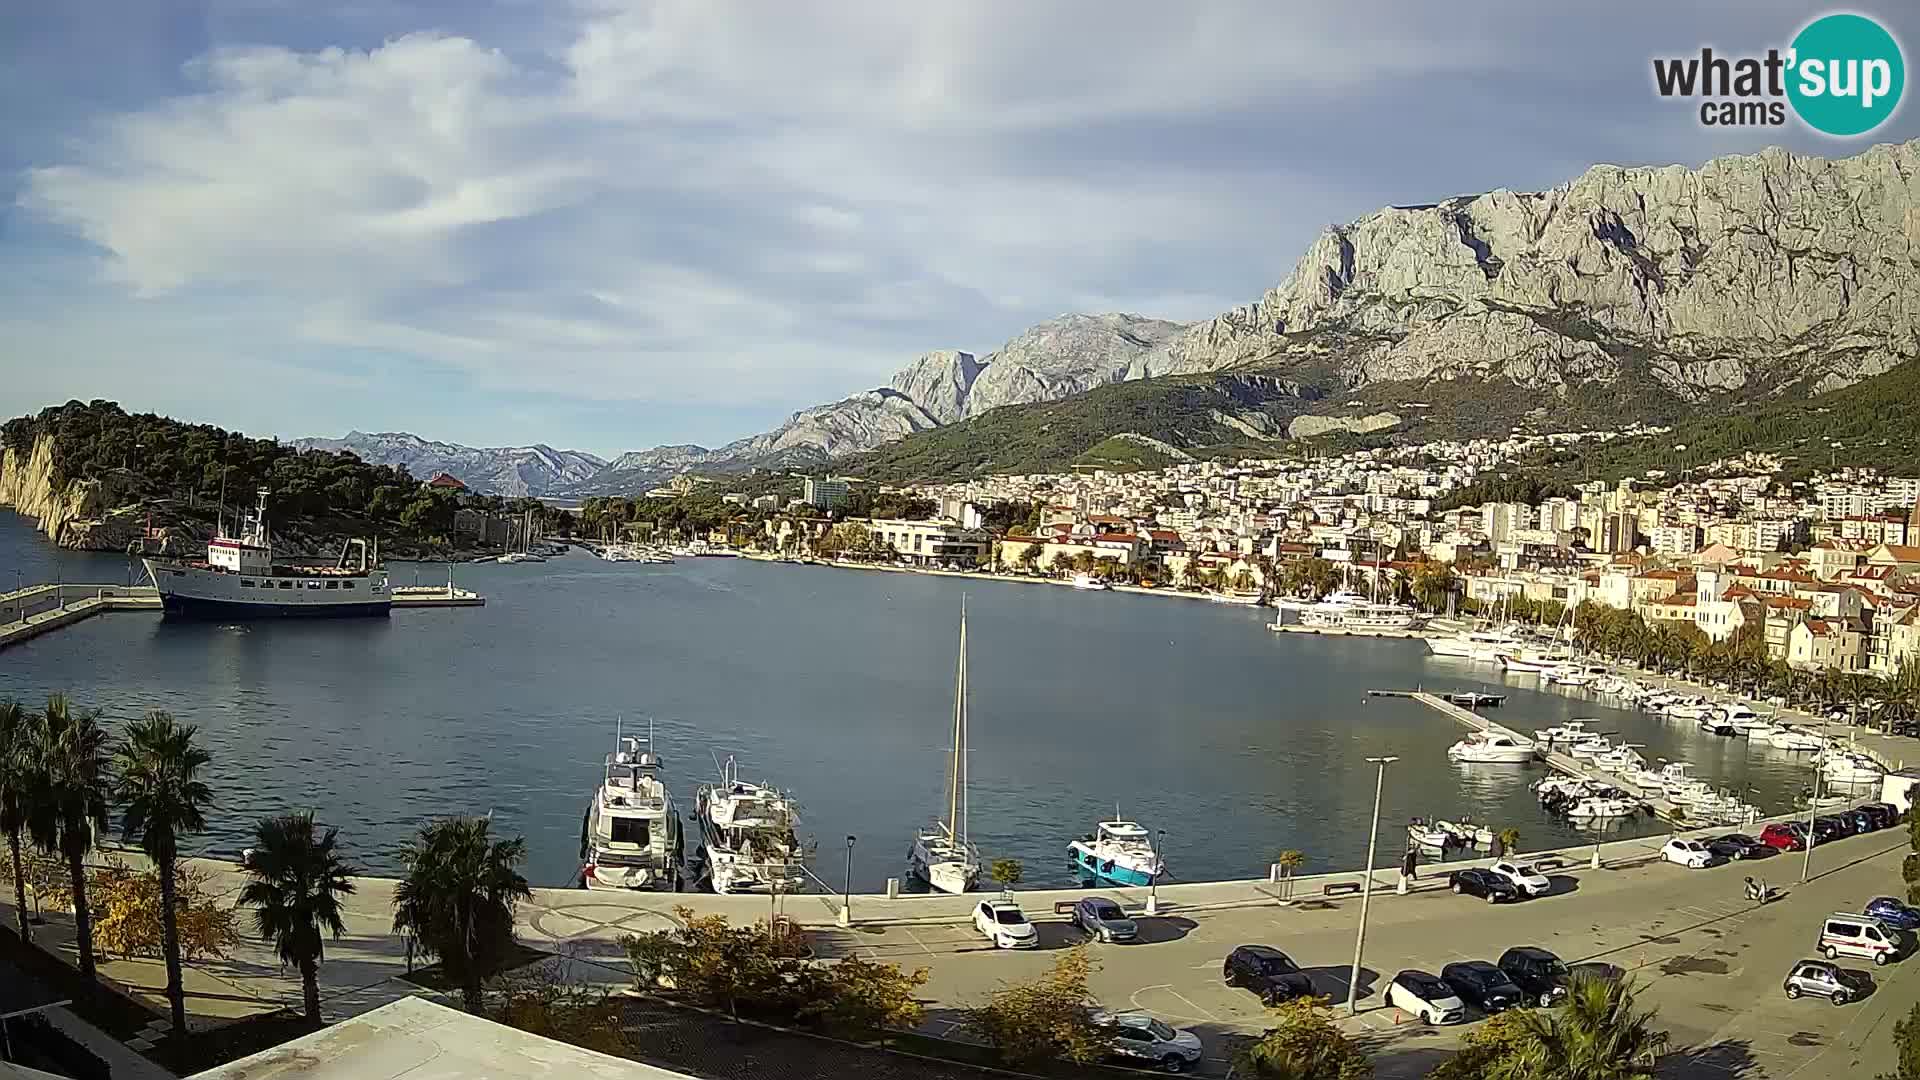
(707, 201)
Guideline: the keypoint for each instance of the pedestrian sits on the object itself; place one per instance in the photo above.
(1410, 864)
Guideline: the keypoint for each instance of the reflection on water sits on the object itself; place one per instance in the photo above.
(836, 685)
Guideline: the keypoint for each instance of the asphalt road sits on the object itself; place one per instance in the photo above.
(1711, 960)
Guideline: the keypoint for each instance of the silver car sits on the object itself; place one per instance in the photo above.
(1820, 978)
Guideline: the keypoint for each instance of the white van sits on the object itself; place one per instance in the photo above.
(1859, 935)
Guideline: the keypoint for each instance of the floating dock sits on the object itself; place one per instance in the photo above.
(413, 596)
(1572, 766)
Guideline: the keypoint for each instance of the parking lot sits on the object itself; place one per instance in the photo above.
(1710, 959)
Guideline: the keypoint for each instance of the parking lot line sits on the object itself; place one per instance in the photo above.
(917, 941)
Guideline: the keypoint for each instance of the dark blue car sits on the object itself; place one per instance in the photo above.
(1894, 913)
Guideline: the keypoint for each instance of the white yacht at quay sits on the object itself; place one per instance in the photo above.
(1491, 747)
(748, 839)
(1343, 610)
(942, 855)
(1483, 645)
(630, 837)
(1089, 583)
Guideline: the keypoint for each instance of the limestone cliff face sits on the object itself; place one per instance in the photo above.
(73, 515)
(1754, 273)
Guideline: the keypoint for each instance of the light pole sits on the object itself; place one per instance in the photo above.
(1153, 878)
(1366, 885)
(846, 896)
(1813, 808)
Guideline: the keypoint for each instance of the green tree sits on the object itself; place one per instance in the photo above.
(1009, 871)
(1906, 1045)
(1304, 1044)
(67, 800)
(458, 897)
(1433, 582)
(1495, 1050)
(1048, 1019)
(1029, 555)
(1289, 861)
(295, 880)
(1596, 1034)
(1509, 840)
(162, 799)
(15, 774)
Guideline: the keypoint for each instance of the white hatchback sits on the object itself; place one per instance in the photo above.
(1523, 877)
(1003, 923)
(1421, 994)
(1691, 854)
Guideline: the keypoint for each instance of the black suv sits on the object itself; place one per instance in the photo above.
(1738, 846)
(1482, 985)
(1538, 973)
(1482, 883)
(1267, 972)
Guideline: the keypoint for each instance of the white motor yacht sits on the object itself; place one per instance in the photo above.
(1491, 747)
(1850, 769)
(1351, 611)
(1117, 852)
(1089, 583)
(1590, 747)
(1741, 717)
(1600, 807)
(1484, 645)
(1567, 675)
(1242, 597)
(1570, 732)
(1792, 738)
(1621, 759)
(630, 837)
(749, 843)
(942, 855)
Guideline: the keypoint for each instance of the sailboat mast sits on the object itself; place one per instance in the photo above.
(959, 732)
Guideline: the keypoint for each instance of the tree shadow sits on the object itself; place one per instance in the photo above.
(1728, 1057)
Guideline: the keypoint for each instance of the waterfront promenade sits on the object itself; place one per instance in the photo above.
(1712, 961)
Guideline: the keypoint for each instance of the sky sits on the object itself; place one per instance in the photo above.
(611, 224)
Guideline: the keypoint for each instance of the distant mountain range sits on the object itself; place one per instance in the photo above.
(515, 471)
(1627, 293)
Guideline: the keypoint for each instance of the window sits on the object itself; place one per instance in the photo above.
(286, 584)
(629, 831)
(333, 584)
(346, 585)
(246, 583)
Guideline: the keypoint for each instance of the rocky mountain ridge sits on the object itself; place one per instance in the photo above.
(513, 471)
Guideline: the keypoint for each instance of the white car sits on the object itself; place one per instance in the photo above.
(1523, 877)
(1691, 854)
(1140, 1037)
(1004, 924)
(1420, 994)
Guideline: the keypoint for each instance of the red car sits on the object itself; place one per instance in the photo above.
(1786, 837)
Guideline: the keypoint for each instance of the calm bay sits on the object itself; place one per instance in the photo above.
(835, 684)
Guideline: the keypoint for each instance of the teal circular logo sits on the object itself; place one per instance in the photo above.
(1847, 74)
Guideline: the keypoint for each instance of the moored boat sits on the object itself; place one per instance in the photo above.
(239, 579)
(942, 855)
(1491, 747)
(630, 837)
(748, 840)
(1118, 852)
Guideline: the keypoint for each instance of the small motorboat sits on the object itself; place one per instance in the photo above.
(1602, 806)
(1473, 699)
(1791, 738)
(1571, 732)
(1591, 747)
(1089, 583)
(1428, 834)
(1466, 834)
(1491, 747)
(1714, 723)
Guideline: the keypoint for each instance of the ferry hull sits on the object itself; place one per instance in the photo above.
(175, 606)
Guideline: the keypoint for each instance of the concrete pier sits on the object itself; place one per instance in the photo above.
(1572, 766)
(27, 613)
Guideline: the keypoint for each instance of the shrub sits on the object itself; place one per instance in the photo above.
(127, 906)
(1304, 1044)
(1047, 1019)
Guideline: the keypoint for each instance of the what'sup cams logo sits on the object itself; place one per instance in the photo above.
(1842, 76)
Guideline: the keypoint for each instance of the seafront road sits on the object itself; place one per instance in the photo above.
(1708, 958)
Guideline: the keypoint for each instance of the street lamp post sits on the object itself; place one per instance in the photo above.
(1153, 878)
(1366, 885)
(846, 896)
(1813, 808)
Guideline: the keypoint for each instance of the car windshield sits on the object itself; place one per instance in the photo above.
(1524, 869)
(1008, 916)
(1160, 1031)
(1275, 965)
(1426, 987)
(1106, 911)
(1555, 967)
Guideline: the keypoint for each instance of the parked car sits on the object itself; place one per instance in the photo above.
(1267, 972)
(1101, 918)
(1003, 923)
(1886, 814)
(1426, 996)
(1847, 934)
(1785, 836)
(1828, 980)
(1141, 1037)
(1691, 854)
(1827, 828)
(1892, 912)
(1539, 974)
(1861, 820)
(1522, 876)
(1482, 985)
(1739, 846)
(1482, 883)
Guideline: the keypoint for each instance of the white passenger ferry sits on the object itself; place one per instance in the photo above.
(238, 579)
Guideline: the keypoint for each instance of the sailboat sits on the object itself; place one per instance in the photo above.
(942, 855)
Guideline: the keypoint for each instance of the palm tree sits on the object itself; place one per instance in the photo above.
(159, 786)
(1594, 1035)
(295, 884)
(1288, 861)
(14, 774)
(457, 899)
(67, 800)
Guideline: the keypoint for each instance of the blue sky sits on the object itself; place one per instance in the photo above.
(608, 225)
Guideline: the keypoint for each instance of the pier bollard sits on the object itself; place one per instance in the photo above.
(1595, 865)
(1401, 888)
(1273, 873)
(845, 917)
(893, 888)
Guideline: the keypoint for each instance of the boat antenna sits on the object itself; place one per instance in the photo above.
(619, 721)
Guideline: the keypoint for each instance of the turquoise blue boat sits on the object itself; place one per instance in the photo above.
(1116, 853)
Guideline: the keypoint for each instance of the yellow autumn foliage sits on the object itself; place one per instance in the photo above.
(126, 919)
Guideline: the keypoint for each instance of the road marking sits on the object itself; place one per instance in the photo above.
(1193, 1006)
(917, 941)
